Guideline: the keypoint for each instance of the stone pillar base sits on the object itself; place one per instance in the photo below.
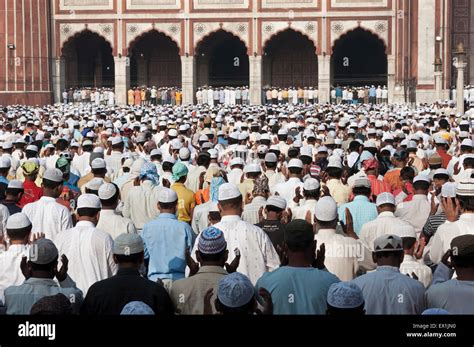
(59, 78)
(324, 78)
(188, 79)
(122, 79)
(255, 80)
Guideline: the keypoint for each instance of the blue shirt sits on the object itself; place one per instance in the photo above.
(362, 211)
(298, 290)
(166, 240)
(3, 180)
(339, 92)
(372, 92)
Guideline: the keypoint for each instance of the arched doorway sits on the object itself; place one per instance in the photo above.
(155, 61)
(359, 58)
(222, 60)
(89, 61)
(290, 59)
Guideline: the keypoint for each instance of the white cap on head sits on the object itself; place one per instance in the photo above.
(297, 163)
(448, 190)
(467, 143)
(404, 230)
(311, 184)
(184, 153)
(173, 132)
(362, 182)
(95, 183)
(5, 162)
(127, 244)
(236, 161)
(116, 140)
(385, 198)
(155, 151)
(15, 184)
(213, 153)
(422, 177)
(176, 144)
(169, 159)
(326, 209)
(388, 243)
(276, 201)
(228, 191)
(107, 191)
(89, 201)
(441, 171)
(334, 161)
(214, 207)
(7, 145)
(32, 148)
(18, 221)
(322, 149)
(345, 295)
(87, 143)
(252, 167)
(306, 151)
(98, 163)
(167, 195)
(54, 175)
(271, 158)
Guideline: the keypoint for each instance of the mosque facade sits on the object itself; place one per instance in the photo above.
(47, 46)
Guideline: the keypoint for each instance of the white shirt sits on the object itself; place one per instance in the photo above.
(51, 161)
(287, 189)
(423, 272)
(10, 272)
(90, 254)
(299, 212)
(141, 205)
(4, 214)
(446, 232)
(342, 253)
(250, 213)
(48, 217)
(81, 163)
(114, 224)
(386, 223)
(352, 158)
(274, 178)
(387, 291)
(200, 217)
(114, 161)
(234, 176)
(257, 252)
(415, 212)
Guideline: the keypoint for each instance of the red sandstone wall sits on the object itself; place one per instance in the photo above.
(25, 70)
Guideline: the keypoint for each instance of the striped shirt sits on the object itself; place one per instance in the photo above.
(432, 224)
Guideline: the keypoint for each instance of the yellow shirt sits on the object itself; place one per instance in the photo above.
(185, 201)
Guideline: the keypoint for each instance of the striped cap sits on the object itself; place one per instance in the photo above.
(465, 187)
(212, 241)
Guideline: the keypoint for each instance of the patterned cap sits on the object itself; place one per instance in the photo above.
(465, 187)
(235, 290)
(211, 241)
(345, 295)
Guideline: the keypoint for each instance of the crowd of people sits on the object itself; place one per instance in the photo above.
(227, 96)
(97, 96)
(220, 208)
(290, 95)
(359, 95)
(146, 96)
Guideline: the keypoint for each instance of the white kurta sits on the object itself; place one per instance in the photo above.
(411, 265)
(234, 176)
(114, 224)
(446, 232)
(257, 252)
(342, 253)
(90, 254)
(250, 213)
(415, 212)
(287, 189)
(48, 217)
(141, 205)
(114, 161)
(386, 223)
(210, 97)
(10, 272)
(200, 217)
